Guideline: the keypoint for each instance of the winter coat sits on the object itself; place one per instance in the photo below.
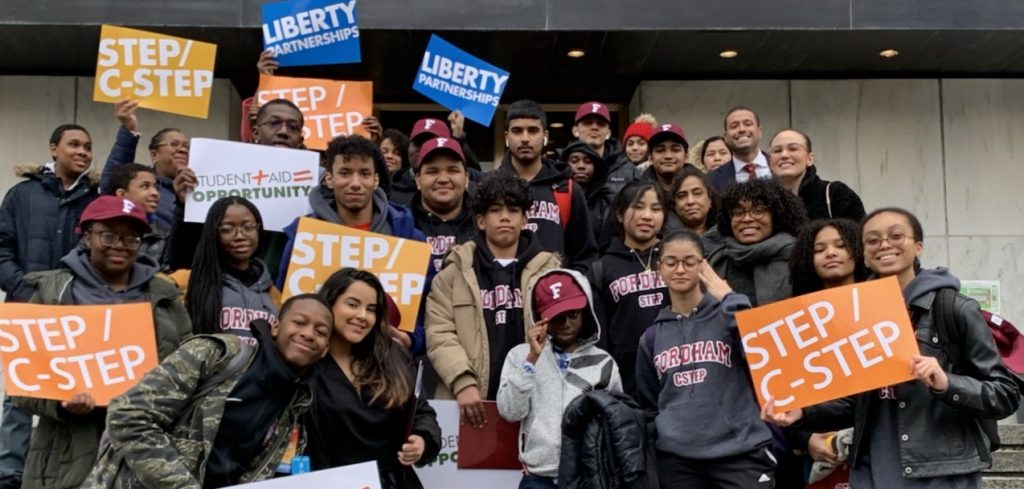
(599, 190)
(828, 200)
(939, 431)
(63, 447)
(605, 444)
(539, 396)
(38, 221)
(620, 170)
(457, 343)
(123, 152)
(160, 436)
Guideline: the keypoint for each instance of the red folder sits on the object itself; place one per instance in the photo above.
(495, 446)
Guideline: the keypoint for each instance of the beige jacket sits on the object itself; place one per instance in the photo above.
(457, 343)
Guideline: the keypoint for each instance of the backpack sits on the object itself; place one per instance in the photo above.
(563, 198)
(951, 336)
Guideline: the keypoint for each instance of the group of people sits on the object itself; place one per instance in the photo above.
(593, 298)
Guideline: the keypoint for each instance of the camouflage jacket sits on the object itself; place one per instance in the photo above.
(63, 445)
(160, 437)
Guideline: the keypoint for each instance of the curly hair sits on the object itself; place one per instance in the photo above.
(401, 143)
(801, 263)
(788, 213)
(502, 188)
(691, 171)
(354, 147)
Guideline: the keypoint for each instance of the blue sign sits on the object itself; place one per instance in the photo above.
(312, 32)
(460, 81)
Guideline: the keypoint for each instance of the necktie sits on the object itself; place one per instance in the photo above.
(751, 170)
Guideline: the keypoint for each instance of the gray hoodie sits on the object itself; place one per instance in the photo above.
(321, 200)
(692, 377)
(538, 399)
(89, 288)
(241, 304)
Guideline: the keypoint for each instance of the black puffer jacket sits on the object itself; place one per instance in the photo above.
(605, 444)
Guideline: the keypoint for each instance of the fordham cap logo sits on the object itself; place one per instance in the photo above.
(595, 108)
(128, 206)
(428, 123)
(442, 142)
(556, 290)
(666, 127)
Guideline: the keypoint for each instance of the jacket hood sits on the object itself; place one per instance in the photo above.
(39, 172)
(528, 247)
(591, 330)
(262, 284)
(619, 249)
(551, 171)
(78, 262)
(929, 281)
(600, 165)
(321, 200)
(704, 310)
(403, 181)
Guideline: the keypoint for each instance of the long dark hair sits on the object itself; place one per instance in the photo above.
(801, 263)
(377, 364)
(206, 283)
(691, 171)
(628, 197)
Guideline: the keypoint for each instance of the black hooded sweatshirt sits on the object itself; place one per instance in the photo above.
(630, 293)
(574, 242)
(253, 407)
(599, 193)
(442, 235)
(501, 294)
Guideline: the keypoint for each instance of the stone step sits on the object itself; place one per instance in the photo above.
(1007, 461)
(1011, 434)
(1002, 482)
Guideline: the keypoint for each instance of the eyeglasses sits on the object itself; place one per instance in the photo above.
(275, 125)
(175, 145)
(230, 230)
(110, 239)
(689, 263)
(756, 213)
(574, 315)
(894, 239)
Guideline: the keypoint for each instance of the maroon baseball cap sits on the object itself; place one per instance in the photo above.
(441, 145)
(558, 292)
(1009, 341)
(435, 127)
(668, 132)
(107, 207)
(593, 108)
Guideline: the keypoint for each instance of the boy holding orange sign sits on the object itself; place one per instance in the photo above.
(106, 269)
(933, 431)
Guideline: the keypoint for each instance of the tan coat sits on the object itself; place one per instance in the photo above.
(457, 344)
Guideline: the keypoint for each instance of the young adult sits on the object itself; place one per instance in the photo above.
(625, 280)
(743, 136)
(403, 186)
(440, 206)
(217, 412)
(475, 311)
(38, 218)
(106, 269)
(708, 433)
(715, 153)
(168, 153)
(668, 155)
(593, 127)
(923, 433)
(792, 163)
(559, 362)
(364, 394)
(635, 140)
(229, 287)
(525, 138)
(758, 222)
(138, 183)
(695, 204)
(590, 172)
(394, 147)
(355, 199)
(827, 254)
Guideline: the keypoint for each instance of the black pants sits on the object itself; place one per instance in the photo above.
(754, 470)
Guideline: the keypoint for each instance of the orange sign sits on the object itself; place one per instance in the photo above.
(55, 352)
(829, 344)
(330, 108)
(322, 248)
(164, 73)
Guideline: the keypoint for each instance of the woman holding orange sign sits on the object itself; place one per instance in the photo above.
(936, 431)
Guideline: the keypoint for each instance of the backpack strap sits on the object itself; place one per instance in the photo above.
(949, 333)
(232, 370)
(563, 198)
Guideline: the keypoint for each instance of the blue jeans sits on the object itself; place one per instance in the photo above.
(15, 430)
(537, 482)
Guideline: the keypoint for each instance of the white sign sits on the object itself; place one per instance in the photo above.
(444, 473)
(277, 180)
(356, 476)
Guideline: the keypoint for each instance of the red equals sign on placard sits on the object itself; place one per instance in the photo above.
(302, 176)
